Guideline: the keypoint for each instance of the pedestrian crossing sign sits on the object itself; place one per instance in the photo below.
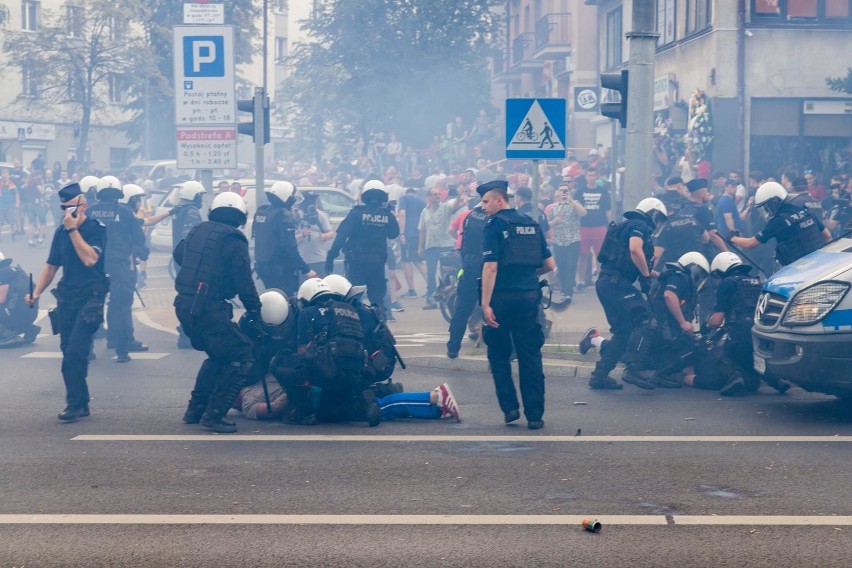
(535, 129)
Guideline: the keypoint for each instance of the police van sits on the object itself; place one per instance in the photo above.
(803, 322)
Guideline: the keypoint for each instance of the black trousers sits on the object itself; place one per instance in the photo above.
(275, 276)
(229, 354)
(626, 310)
(369, 273)
(739, 350)
(517, 314)
(467, 298)
(122, 284)
(79, 318)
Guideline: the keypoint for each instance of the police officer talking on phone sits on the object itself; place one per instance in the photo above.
(78, 248)
(515, 254)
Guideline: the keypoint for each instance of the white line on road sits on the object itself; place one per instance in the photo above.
(450, 438)
(571, 520)
(58, 355)
(146, 320)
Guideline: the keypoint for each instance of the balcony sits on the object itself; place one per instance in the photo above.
(553, 36)
(501, 69)
(522, 53)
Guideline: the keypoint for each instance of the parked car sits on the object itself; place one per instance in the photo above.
(803, 322)
(332, 200)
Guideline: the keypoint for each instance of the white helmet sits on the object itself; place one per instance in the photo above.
(4, 261)
(274, 307)
(374, 184)
(109, 182)
(338, 284)
(654, 209)
(229, 199)
(313, 288)
(723, 262)
(770, 195)
(283, 190)
(228, 208)
(131, 190)
(374, 190)
(190, 189)
(694, 259)
(89, 183)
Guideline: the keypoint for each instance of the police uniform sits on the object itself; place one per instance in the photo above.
(668, 340)
(124, 233)
(363, 237)
(467, 289)
(276, 252)
(516, 243)
(185, 217)
(625, 308)
(16, 317)
(673, 200)
(215, 267)
(737, 297)
(80, 297)
(804, 199)
(796, 233)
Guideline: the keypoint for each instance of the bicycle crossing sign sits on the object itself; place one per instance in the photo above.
(535, 129)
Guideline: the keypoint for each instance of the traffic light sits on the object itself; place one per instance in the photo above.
(252, 127)
(616, 82)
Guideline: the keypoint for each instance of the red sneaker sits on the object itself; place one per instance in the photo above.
(447, 402)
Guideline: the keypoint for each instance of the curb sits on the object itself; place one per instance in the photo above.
(570, 369)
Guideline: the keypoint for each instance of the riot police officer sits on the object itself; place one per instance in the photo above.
(690, 229)
(363, 237)
(795, 230)
(78, 248)
(514, 255)
(214, 267)
(125, 235)
(626, 255)
(674, 196)
(799, 196)
(276, 253)
(467, 289)
(186, 215)
(736, 298)
(16, 317)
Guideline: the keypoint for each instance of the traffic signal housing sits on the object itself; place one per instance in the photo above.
(251, 106)
(616, 82)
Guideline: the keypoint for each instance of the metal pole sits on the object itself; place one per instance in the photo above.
(265, 41)
(640, 108)
(535, 185)
(259, 129)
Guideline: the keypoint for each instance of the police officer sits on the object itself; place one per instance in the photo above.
(626, 255)
(332, 346)
(674, 196)
(690, 229)
(276, 252)
(799, 196)
(736, 298)
(514, 255)
(78, 248)
(215, 267)
(187, 213)
(16, 317)
(89, 187)
(363, 237)
(125, 236)
(795, 230)
(467, 288)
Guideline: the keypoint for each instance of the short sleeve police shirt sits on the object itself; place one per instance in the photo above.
(75, 274)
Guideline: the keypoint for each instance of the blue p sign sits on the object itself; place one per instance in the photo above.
(204, 56)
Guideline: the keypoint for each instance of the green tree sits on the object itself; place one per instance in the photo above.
(152, 126)
(404, 66)
(78, 60)
(841, 84)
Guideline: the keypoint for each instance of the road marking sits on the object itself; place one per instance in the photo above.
(58, 355)
(146, 320)
(570, 520)
(445, 438)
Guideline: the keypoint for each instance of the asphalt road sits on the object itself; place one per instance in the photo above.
(678, 478)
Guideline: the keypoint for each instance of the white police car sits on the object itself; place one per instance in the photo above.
(803, 322)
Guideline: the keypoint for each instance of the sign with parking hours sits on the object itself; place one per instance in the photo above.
(205, 97)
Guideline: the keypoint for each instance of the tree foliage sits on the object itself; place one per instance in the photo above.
(841, 84)
(404, 66)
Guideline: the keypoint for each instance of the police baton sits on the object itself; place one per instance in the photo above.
(31, 290)
(266, 396)
(744, 256)
(138, 295)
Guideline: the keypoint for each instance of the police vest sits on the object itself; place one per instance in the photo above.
(814, 206)
(119, 221)
(748, 292)
(657, 299)
(202, 264)
(801, 236)
(18, 282)
(344, 335)
(521, 242)
(185, 218)
(368, 241)
(473, 230)
(615, 250)
(684, 233)
(673, 201)
(268, 221)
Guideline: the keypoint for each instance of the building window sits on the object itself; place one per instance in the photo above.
(74, 91)
(280, 49)
(73, 20)
(280, 6)
(801, 11)
(697, 15)
(29, 83)
(117, 28)
(614, 38)
(666, 21)
(29, 15)
(117, 89)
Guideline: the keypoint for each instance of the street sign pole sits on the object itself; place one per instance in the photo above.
(259, 141)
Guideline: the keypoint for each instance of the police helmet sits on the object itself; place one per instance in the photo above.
(189, 190)
(89, 183)
(228, 208)
(274, 307)
(725, 262)
(374, 190)
(770, 195)
(696, 265)
(653, 209)
(109, 189)
(282, 190)
(338, 284)
(131, 190)
(4, 262)
(312, 289)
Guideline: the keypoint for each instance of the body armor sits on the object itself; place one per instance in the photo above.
(521, 242)
(368, 242)
(268, 221)
(123, 230)
(748, 292)
(473, 230)
(801, 236)
(683, 233)
(202, 268)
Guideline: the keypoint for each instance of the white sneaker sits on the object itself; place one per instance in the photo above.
(447, 402)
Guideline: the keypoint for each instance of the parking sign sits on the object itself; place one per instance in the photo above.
(205, 92)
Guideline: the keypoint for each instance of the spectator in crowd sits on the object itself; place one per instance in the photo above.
(564, 217)
(434, 236)
(595, 198)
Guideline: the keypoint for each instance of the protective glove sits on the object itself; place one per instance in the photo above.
(329, 265)
(645, 284)
(731, 235)
(173, 211)
(255, 324)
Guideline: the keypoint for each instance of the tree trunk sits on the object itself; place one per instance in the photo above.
(83, 141)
